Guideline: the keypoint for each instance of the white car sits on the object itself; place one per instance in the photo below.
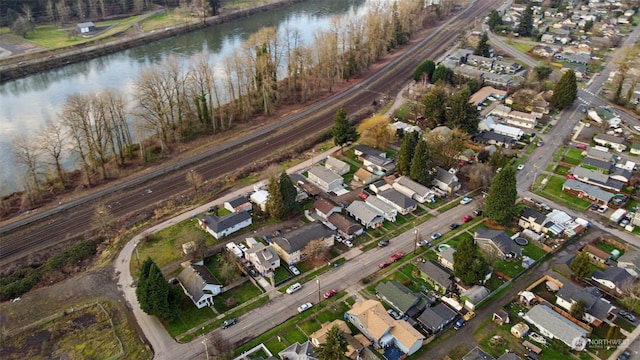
(521, 166)
(243, 247)
(348, 243)
(293, 288)
(304, 307)
(466, 200)
(294, 270)
(636, 128)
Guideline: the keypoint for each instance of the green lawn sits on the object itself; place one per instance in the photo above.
(509, 268)
(188, 317)
(236, 296)
(533, 251)
(554, 190)
(520, 46)
(561, 170)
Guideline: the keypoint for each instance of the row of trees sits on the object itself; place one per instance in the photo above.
(174, 103)
(156, 296)
(451, 109)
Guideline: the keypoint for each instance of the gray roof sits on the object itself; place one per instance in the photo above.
(444, 176)
(266, 255)
(298, 351)
(86, 24)
(379, 204)
(237, 201)
(397, 295)
(535, 214)
(436, 273)
(609, 138)
(500, 239)
(413, 185)
(599, 154)
(368, 150)
(324, 174)
(631, 256)
(436, 317)
(377, 160)
(600, 164)
(299, 238)
(194, 277)
(363, 211)
(556, 324)
(619, 276)
(344, 224)
(398, 198)
(591, 190)
(477, 354)
(336, 165)
(509, 356)
(447, 254)
(597, 177)
(218, 224)
(591, 296)
(486, 136)
(622, 172)
(476, 293)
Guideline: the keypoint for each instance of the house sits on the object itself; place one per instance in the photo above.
(477, 354)
(85, 27)
(238, 203)
(375, 323)
(325, 179)
(355, 344)
(413, 189)
(498, 80)
(484, 93)
(445, 257)
(596, 254)
(590, 192)
(325, 207)
(505, 67)
(497, 242)
(548, 38)
(635, 148)
(490, 137)
(377, 164)
(555, 326)
(543, 51)
(622, 175)
(614, 142)
(364, 213)
(522, 119)
(345, 226)
(260, 198)
(531, 219)
(474, 295)
(509, 131)
(501, 110)
(221, 226)
(602, 166)
(441, 279)
(596, 178)
(630, 261)
(199, 284)
(446, 180)
(362, 150)
(337, 166)
(404, 127)
(297, 351)
(401, 298)
(291, 244)
(387, 210)
(597, 309)
(364, 176)
(264, 258)
(613, 278)
(434, 319)
(400, 202)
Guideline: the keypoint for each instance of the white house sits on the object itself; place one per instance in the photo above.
(508, 131)
(260, 198)
(413, 189)
(337, 166)
(220, 227)
(264, 258)
(402, 203)
(555, 326)
(238, 203)
(388, 211)
(630, 261)
(611, 141)
(325, 179)
(596, 308)
(199, 284)
(613, 278)
(368, 216)
(446, 180)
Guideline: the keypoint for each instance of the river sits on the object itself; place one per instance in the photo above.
(27, 103)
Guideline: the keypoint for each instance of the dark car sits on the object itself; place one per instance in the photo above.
(383, 243)
(254, 272)
(228, 323)
(478, 212)
(454, 226)
(595, 207)
(625, 355)
(627, 315)
(459, 324)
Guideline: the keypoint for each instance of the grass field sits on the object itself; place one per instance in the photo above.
(554, 189)
(520, 46)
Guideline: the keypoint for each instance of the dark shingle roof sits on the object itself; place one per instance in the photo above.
(531, 213)
(344, 224)
(194, 277)
(434, 317)
(237, 201)
(619, 276)
(398, 198)
(500, 239)
(297, 239)
(436, 273)
(218, 224)
(397, 295)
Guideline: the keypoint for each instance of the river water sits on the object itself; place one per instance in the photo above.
(27, 103)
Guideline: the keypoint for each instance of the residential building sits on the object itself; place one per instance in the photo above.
(368, 216)
(596, 254)
(597, 309)
(355, 344)
(375, 323)
(199, 284)
(377, 164)
(446, 180)
(440, 278)
(325, 207)
(474, 296)
(387, 210)
(481, 95)
(85, 27)
(477, 354)
(635, 148)
(493, 138)
(325, 179)
(290, 245)
(434, 319)
(264, 258)
(297, 351)
(614, 142)
(522, 119)
(497, 242)
(260, 198)
(403, 204)
(509, 131)
(599, 154)
(532, 219)
(613, 278)
(221, 226)
(347, 228)
(596, 178)
(238, 203)
(591, 192)
(413, 189)
(364, 176)
(401, 298)
(337, 166)
(362, 150)
(445, 257)
(555, 326)
(630, 261)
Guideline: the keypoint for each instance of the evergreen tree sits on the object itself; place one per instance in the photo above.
(275, 203)
(494, 20)
(581, 265)
(434, 105)
(526, 22)
(578, 309)
(468, 264)
(156, 296)
(334, 347)
(442, 73)
(462, 114)
(426, 68)
(500, 203)
(289, 192)
(407, 149)
(422, 164)
(142, 286)
(565, 91)
(542, 72)
(342, 130)
(483, 48)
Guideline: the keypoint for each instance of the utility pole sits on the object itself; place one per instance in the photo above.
(415, 241)
(318, 282)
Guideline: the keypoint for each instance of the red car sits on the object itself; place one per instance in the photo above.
(330, 293)
(384, 264)
(466, 218)
(581, 147)
(397, 256)
(363, 196)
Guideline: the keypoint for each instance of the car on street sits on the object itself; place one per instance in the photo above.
(228, 322)
(330, 293)
(422, 243)
(294, 270)
(363, 196)
(581, 146)
(454, 226)
(304, 307)
(466, 218)
(459, 324)
(436, 236)
(627, 315)
(466, 200)
(293, 288)
(383, 243)
(478, 212)
(521, 166)
(626, 355)
(397, 256)
(384, 264)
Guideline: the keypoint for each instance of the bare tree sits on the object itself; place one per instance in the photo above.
(194, 179)
(51, 140)
(63, 11)
(315, 249)
(26, 153)
(263, 48)
(51, 15)
(104, 220)
(479, 175)
(26, 10)
(75, 117)
(81, 10)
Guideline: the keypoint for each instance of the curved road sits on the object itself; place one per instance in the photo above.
(56, 226)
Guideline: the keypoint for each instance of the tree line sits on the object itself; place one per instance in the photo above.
(172, 104)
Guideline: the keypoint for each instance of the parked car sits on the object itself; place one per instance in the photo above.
(466, 200)
(454, 226)
(293, 288)
(627, 315)
(478, 212)
(253, 272)
(624, 222)
(305, 307)
(394, 314)
(294, 270)
(626, 355)
(348, 243)
(384, 264)
(383, 243)
(521, 166)
(581, 146)
(603, 209)
(228, 322)
(436, 236)
(422, 243)
(595, 207)
(363, 196)
(466, 218)
(243, 247)
(459, 324)
(329, 293)
(397, 256)
(540, 143)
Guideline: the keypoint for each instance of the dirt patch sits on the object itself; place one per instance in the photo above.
(13, 45)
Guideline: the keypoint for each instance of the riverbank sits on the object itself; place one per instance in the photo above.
(26, 64)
